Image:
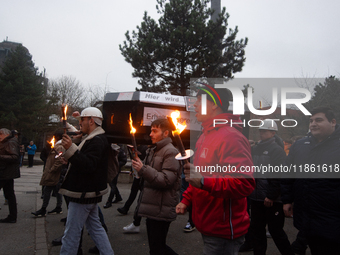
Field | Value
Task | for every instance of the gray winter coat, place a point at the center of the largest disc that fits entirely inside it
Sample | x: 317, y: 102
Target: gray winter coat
x: 162, y: 175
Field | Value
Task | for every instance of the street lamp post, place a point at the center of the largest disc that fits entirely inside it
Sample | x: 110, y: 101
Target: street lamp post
x: 216, y: 6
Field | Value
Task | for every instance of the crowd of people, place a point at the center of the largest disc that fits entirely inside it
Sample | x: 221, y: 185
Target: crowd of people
x: 230, y: 209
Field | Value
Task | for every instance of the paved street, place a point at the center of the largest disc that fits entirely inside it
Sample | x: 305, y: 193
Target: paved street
x: 31, y: 235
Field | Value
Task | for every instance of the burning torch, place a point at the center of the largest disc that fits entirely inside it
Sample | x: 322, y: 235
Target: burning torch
x: 52, y: 142
x: 177, y: 130
x: 133, y: 139
x: 64, y: 113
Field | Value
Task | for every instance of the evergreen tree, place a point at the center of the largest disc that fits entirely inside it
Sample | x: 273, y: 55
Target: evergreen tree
x: 184, y: 44
x: 326, y: 94
x: 22, y: 95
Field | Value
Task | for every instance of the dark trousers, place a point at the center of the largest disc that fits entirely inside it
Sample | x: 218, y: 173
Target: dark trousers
x: 30, y: 160
x: 248, y: 236
x: 157, y: 232
x: 8, y: 187
x: 300, y: 243
x: 184, y: 186
x: 135, y: 187
x: 137, y: 219
x: 321, y: 246
x: 47, y: 195
x: 189, y: 210
x: 114, y: 189
x: 21, y: 159
x: 274, y: 217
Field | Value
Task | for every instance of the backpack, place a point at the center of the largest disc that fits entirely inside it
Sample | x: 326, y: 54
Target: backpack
x: 113, y: 163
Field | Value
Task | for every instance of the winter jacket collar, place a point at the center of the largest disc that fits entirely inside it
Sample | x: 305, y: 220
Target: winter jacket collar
x: 159, y: 145
x: 334, y: 135
x: 262, y: 144
x: 156, y: 147
x: 7, y: 138
x: 70, y: 151
x: 97, y: 131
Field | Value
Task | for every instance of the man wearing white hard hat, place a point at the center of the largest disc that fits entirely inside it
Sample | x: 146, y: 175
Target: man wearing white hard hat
x: 266, y: 205
x: 85, y: 183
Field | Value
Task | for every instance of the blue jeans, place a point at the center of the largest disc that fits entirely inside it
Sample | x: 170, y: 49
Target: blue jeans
x: 221, y: 246
x: 77, y: 216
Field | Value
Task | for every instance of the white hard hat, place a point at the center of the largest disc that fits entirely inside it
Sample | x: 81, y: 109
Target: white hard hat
x: 93, y: 112
x: 269, y: 124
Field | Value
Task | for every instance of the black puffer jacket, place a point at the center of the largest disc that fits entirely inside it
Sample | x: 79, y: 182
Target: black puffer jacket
x: 86, y: 178
x: 267, y: 153
x: 316, y: 201
x: 9, y: 158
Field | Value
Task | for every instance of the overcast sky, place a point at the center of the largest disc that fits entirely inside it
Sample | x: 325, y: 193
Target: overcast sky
x: 287, y: 38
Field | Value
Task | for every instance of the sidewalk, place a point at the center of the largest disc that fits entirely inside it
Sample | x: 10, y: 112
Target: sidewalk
x: 20, y: 238
x: 32, y: 235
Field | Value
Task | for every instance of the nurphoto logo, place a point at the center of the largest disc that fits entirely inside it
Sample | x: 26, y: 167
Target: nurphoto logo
x: 239, y: 102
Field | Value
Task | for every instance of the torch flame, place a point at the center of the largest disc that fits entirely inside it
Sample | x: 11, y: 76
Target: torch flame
x: 179, y: 127
x: 65, y: 113
x: 52, y: 142
x: 133, y: 130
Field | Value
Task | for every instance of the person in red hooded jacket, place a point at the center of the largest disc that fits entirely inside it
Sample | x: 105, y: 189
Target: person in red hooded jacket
x: 219, y: 200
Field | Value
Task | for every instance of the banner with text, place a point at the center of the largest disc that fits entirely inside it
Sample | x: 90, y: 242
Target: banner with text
x: 151, y: 114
